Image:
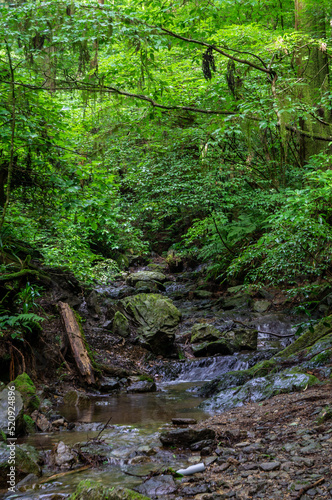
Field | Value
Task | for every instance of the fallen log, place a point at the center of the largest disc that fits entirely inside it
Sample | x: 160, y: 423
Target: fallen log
x: 76, y: 343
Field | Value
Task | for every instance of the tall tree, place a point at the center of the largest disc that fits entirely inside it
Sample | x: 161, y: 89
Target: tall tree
x: 313, y: 75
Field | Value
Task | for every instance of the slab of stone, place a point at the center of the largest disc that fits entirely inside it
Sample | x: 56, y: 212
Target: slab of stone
x: 269, y: 466
x: 145, y: 276
x: 142, y: 386
x: 158, y: 486
x: 186, y: 437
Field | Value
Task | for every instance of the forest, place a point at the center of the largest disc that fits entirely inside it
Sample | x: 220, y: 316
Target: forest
x: 147, y: 143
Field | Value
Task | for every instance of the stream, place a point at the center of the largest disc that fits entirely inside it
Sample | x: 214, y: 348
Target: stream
x: 132, y: 436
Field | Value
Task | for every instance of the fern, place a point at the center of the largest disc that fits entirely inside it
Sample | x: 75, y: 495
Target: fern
x: 26, y: 320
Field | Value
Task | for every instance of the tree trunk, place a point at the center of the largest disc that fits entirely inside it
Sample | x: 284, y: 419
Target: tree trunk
x: 313, y: 75
x: 76, y: 342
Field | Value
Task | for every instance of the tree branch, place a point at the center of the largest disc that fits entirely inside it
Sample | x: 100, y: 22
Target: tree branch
x: 114, y: 90
x: 217, y: 49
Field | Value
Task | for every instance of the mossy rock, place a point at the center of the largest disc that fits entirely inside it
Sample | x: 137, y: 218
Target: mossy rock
x: 120, y: 325
x: 309, y: 338
x: 27, y: 389
x: 202, y: 332
x: 145, y: 276
x: 155, y: 318
x: 88, y: 490
x: 325, y: 415
x: 24, y: 464
x: 221, y: 342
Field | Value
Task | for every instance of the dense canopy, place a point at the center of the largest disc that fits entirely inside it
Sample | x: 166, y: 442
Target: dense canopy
x: 200, y: 126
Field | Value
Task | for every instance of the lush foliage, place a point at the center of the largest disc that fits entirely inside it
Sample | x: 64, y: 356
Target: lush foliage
x: 131, y: 126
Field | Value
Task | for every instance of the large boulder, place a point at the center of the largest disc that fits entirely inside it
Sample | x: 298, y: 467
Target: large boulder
x: 155, y: 318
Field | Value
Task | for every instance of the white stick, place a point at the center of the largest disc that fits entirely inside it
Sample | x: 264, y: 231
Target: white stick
x: 192, y: 469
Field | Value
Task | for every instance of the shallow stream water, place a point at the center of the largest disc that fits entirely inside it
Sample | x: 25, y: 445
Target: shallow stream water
x: 137, y: 420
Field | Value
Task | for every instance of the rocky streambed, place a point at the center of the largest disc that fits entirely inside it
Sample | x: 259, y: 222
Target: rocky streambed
x: 169, y: 346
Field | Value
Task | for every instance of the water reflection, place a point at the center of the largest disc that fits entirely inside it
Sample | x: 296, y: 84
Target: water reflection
x: 143, y: 409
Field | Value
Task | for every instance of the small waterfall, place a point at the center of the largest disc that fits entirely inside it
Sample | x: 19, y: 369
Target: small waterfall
x: 206, y: 369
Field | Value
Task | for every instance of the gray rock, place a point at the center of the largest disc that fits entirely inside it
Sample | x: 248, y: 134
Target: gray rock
x: 148, y: 286
x: 269, y: 466
x: 221, y: 346
x: 195, y: 489
x: 41, y: 421
x: 108, y: 384
x: 202, y: 332
x: 95, y: 448
x: 186, y: 437
x: 120, y: 325
x: 142, y: 386
x: 63, y: 455
x: 249, y: 466
x: 240, y: 301
x: 261, y: 306
x: 200, y: 445
x: 19, y: 410
x: 203, y: 294
x: 259, y: 389
x: 158, y: 486
x: 242, y: 339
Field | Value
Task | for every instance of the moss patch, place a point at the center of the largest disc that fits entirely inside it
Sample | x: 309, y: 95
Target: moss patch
x: 88, y: 490
x: 29, y: 424
x: 309, y: 338
x: 27, y: 389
